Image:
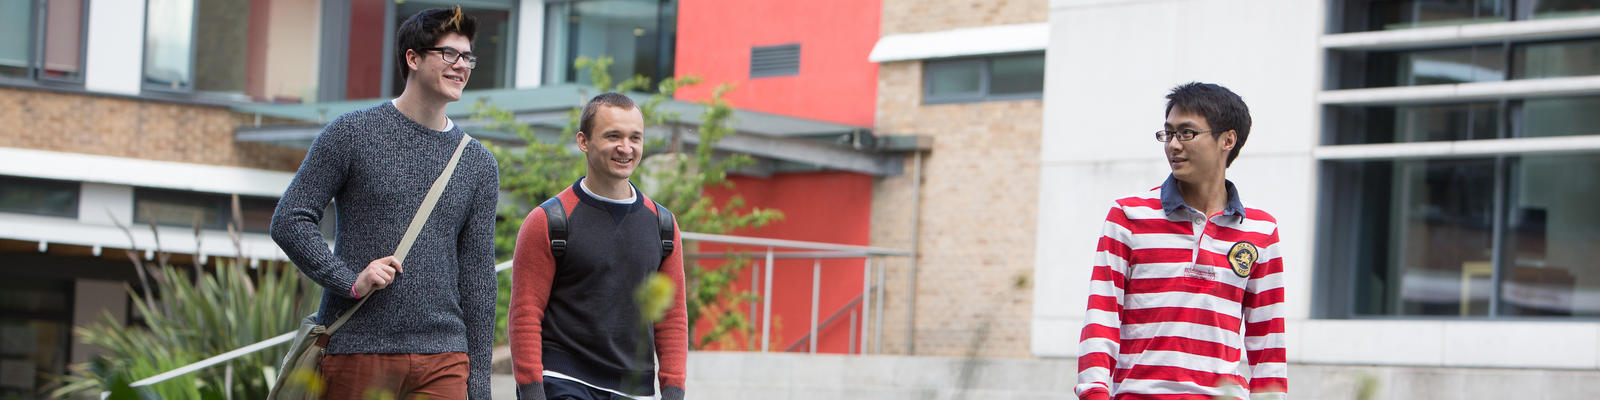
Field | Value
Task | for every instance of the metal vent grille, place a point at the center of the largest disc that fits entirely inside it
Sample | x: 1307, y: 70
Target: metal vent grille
x: 780, y: 60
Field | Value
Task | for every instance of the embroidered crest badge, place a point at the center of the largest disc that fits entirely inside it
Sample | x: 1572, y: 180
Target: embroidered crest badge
x: 1243, y: 257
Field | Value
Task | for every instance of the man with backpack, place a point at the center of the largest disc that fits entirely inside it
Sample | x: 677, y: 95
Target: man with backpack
x: 576, y: 330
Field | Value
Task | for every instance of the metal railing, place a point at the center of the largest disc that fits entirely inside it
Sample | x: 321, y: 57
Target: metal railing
x: 816, y: 251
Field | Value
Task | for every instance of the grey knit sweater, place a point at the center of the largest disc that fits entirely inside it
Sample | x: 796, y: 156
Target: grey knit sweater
x: 376, y: 165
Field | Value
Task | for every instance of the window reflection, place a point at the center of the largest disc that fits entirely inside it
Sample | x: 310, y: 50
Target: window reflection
x: 1553, y: 236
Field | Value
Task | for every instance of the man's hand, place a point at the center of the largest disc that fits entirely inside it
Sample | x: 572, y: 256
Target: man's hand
x: 378, y: 275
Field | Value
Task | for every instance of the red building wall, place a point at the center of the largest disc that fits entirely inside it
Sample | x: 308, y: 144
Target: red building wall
x: 829, y: 207
x: 836, y: 82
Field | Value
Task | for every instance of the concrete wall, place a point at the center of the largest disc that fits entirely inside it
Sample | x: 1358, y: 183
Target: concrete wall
x: 720, y: 375
x: 1104, y: 99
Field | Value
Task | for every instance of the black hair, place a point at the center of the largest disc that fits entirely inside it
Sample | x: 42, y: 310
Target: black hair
x: 1222, y: 109
x: 424, y: 29
x: 612, y: 99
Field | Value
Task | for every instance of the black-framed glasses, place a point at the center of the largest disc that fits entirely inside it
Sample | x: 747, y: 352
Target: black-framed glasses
x: 1183, y: 135
x: 451, y: 55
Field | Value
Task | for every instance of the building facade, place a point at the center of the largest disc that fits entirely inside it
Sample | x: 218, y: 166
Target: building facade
x: 155, y: 112
x: 969, y: 75
x: 1426, y: 162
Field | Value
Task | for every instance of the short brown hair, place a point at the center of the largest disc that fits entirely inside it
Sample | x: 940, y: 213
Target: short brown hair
x: 612, y: 99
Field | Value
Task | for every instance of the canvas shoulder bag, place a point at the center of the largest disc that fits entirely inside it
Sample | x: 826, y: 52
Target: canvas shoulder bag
x: 299, y: 367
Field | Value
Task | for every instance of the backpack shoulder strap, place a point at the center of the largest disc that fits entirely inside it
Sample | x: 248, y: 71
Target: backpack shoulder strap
x: 555, y: 217
x: 664, y: 222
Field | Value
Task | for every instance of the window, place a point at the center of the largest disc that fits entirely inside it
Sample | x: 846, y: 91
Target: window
x: 1497, y: 235
x: 780, y: 60
x: 1012, y: 77
x: 206, y: 210
x: 35, y: 334
x: 42, y: 39
x: 38, y: 196
x: 1379, y: 15
x: 1481, y: 63
x: 492, y: 44
x: 253, y: 50
x: 1429, y: 237
x: 637, y: 34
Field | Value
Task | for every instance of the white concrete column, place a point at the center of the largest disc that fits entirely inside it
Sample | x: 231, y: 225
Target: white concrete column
x: 115, y: 46
x: 103, y: 204
x: 530, y: 43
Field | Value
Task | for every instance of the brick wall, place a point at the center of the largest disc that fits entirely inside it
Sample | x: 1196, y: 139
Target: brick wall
x: 913, y: 16
x: 979, y: 202
x: 131, y: 128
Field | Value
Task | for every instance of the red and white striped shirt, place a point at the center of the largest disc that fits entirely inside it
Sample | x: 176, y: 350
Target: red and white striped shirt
x: 1170, y: 292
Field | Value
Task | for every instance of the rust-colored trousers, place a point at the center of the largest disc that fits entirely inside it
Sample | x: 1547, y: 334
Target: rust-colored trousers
x: 440, y: 376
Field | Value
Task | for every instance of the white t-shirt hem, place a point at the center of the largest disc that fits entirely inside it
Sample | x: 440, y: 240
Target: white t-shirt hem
x: 558, y: 375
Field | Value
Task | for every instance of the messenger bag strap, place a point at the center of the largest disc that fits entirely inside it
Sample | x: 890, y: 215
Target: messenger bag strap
x: 417, y: 220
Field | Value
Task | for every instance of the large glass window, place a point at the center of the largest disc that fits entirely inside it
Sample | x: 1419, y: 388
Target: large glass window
x: 1484, y: 63
x: 637, y: 34
x: 1538, y: 9
x: 42, y: 39
x: 1556, y: 59
x: 1535, y: 117
x: 253, y: 50
x: 1009, y: 77
x: 1551, y: 265
x: 206, y: 210
x: 38, y: 196
x: 35, y: 335
x: 1416, y: 123
x: 16, y: 32
x: 1378, y: 15
x: 1425, y: 237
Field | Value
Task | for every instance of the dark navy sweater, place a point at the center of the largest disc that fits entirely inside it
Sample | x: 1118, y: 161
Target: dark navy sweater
x: 578, y: 316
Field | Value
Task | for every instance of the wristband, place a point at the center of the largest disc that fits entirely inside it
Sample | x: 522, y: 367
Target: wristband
x: 353, y: 293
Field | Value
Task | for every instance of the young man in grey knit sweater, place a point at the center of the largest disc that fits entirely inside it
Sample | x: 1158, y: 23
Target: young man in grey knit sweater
x: 428, y: 327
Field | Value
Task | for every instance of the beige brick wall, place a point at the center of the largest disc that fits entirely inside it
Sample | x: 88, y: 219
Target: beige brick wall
x: 913, y: 16
x: 979, y: 202
x: 132, y: 128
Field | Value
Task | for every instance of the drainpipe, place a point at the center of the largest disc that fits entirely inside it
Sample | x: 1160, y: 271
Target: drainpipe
x: 916, y: 224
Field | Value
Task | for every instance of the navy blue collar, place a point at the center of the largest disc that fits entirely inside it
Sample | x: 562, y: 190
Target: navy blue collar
x: 617, y: 211
x: 1172, y: 198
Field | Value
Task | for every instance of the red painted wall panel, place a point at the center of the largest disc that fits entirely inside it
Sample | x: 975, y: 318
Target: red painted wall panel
x: 365, y: 73
x: 833, y: 207
x: 836, y: 83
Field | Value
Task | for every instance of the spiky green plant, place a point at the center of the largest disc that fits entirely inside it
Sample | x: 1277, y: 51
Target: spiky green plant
x: 188, y: 318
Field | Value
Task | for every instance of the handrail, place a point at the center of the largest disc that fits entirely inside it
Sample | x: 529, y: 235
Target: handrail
x: 823, y: 250
x: 239, y: 352
x: 214, y: 360
x: 826, y: 323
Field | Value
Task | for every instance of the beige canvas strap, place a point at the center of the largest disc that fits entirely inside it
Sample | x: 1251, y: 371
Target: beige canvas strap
x: 417, y: 220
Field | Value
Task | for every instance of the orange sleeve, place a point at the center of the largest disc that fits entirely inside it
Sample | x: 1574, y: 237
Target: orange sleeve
x: 672, y: 333
x: 533, y: 269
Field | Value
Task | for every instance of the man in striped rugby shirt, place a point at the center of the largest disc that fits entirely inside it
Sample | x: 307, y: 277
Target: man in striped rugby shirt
x: 1187, y: 279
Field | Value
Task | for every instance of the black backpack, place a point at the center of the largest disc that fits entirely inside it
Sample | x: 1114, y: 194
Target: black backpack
x: 555, y: 215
